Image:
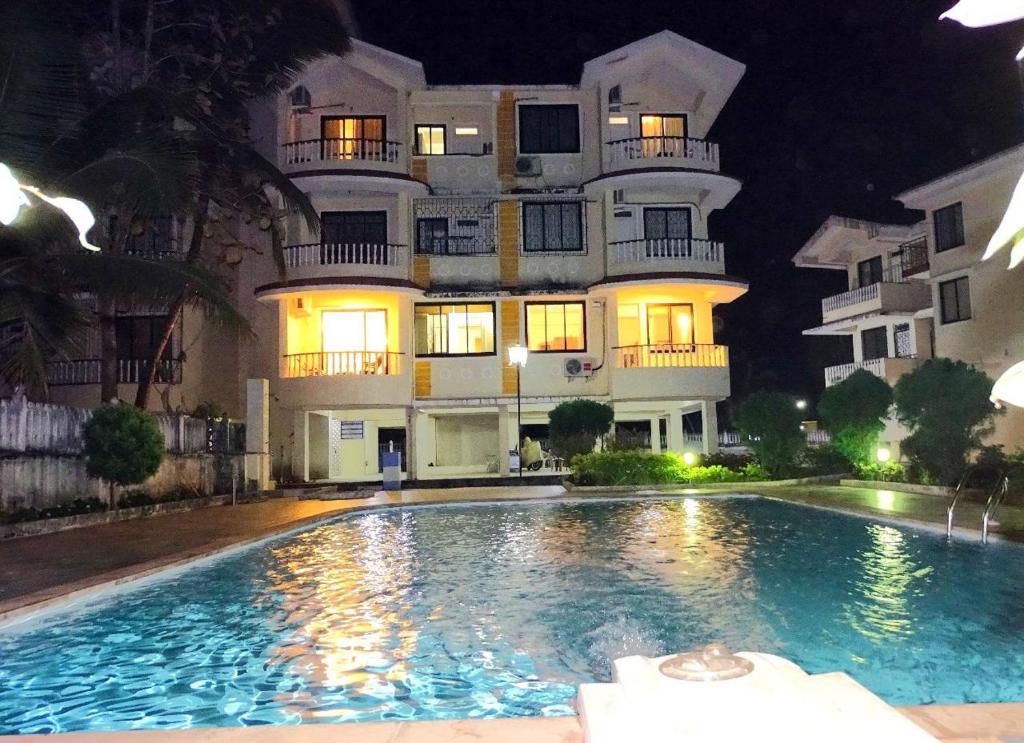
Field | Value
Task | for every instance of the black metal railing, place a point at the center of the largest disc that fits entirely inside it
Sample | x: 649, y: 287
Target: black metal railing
x: 456, y: 245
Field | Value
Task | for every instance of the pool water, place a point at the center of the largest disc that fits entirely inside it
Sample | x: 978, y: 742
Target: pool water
x: 501, y: 610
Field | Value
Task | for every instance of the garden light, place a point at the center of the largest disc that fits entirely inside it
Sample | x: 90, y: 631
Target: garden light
x: 883, y: 455
x: 801, y: 404
x: 689, y: 458
x: 13, y: 197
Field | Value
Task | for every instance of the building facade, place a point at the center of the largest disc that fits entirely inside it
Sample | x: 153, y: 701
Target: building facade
x: 922, y: 290
x: 458, y: 221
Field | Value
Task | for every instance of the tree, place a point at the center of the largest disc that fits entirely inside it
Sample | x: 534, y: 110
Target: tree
x: 946, y: 406
x: 770, y: 423
x: 123, y: 445
x: 576, y: 425
x: 854, y: 412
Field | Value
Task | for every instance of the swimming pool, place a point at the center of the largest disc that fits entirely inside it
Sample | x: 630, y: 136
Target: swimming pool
x: 502, y: 609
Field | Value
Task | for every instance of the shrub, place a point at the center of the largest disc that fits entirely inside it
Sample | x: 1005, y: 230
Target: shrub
x: 74, y: 508
x: 887, y: 472
x: 637, y: 467
x: 854, y: 412
x: 824, y: 460
x: 576, y: 425
x: 732, y: 461
x: 946, y: 406
x: 136, y: 498
x: 122, y: 445
x: 770, y: 422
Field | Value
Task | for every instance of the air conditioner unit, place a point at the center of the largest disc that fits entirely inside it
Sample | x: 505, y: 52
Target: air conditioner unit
x: 303, y: 306
x: 527, y: 165
x: 579, y: 367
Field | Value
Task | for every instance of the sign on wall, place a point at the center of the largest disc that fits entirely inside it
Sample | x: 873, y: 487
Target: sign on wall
x: 351, y: 429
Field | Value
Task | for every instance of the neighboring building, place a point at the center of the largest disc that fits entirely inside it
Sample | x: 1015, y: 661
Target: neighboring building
x: 458, y: 221
x: 922, y: 290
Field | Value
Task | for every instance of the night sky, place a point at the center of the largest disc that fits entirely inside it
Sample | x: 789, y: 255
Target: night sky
x: 844, y: 104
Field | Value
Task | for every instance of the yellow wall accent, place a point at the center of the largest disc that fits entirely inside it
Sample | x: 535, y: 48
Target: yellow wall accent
x: 423, y: 379
x: 505, y: 142
x: 509, y: 337
x: 421, y: 270
x: 508, y: 243
x: 419, y: 169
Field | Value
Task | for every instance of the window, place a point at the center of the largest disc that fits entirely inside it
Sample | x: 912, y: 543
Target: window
x: 669, y: 324
x: 430, y: 139
x: 661, y: 223
x: 553, y: 227
x: 555, y: 326
x: 549, y: 129
x: 352, y: 137
x: 901, y: 341
x: 869, y: 272
x: 355, y: 341
x: 138, y: 336
x: 432, y: 235
x: 955, y: 300
x: 949, y: 227
x: 354, y: 228
x: 454, y: 329
x: 874, y: 344
x: 663, y: 125
x: 467, y: 131
x: 157, y: 239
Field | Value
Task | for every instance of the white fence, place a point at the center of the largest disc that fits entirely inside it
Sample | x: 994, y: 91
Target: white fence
x: 41, y: 428
x: 733, y: 439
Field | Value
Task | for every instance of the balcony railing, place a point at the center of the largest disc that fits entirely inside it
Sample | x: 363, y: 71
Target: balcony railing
x: 342, y: 363
x: 457, y: 245
x: 836, y: 374
x: 657, y: 249
x: 913, y: 256
x: 330, y: 254
x: 854, y: 296
x: 340, y: 150
x: 129, y: 371
x: 672, y: 355
x: 671, y: 151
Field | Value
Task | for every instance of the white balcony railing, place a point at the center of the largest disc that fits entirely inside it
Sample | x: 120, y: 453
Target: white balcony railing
x: 672, y: 355
x: 680, y: 152
x: 668, y: 249
x: 342, y: 150
x: 329, y: 254
x: 129, y: 371
x: 335, y: 363
x: 836, y: 374
x: 852, y: 297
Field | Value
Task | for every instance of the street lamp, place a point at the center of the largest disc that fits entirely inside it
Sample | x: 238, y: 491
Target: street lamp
x: 801, y: 404
x: 517, y: 356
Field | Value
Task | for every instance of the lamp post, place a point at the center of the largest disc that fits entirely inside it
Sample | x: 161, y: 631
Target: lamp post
x: 517, y: 356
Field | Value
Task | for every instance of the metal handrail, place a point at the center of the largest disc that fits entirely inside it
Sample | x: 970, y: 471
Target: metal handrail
x: 964, y: 478
x: 994, y: 499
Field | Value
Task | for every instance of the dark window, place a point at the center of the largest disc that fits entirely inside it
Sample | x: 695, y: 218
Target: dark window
x: 873, y: 344
x: 354, y: 228
x: 661, y: 223
x: 553, y: 227
x: 454, y: 329
x: 138, y: 336
x: 549, y: 128
x: 869, y: 272
x: 432, y: 235
x: 955, y: 300
x: 949, y: 227
x: 430, y: 139
x: 901, y: 340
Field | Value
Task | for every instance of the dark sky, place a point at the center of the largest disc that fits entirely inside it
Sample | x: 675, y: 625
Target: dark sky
x: 844, y: 104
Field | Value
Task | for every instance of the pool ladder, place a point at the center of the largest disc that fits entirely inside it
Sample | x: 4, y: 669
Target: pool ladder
x: 995, y: 497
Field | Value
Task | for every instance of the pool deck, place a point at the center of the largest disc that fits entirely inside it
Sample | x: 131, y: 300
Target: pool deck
x: 41, y: 571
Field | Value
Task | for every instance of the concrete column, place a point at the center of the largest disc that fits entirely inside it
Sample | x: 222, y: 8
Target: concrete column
x: 300, y: 445
x: 257, y: 432
x: 709, y: 419
x: 675, y: 431
x: 423, y: 441
x: 506, y: 437
x: 655, y: 435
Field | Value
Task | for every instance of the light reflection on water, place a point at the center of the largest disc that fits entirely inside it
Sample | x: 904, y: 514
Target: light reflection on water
x: 501, y: 610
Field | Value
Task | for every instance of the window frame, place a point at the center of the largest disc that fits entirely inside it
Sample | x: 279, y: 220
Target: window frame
x: 944, y: 318
x: 870, y: 262
x: 665, y: 210
x: 481, y: 354
x: 444, y: 139
x: 362, y: 117
x: 670, y: 305
x: 526, y: 323
x: 956, y: 208
x: 540, y: 150
x: 344, y: 214
x: 526, y: 250
x: 364, y: 311
x: 419, y: 243
x: 681, y: 115
x: 879, y: 332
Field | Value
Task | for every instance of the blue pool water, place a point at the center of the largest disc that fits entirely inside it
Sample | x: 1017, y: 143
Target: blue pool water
x: 501, y: 610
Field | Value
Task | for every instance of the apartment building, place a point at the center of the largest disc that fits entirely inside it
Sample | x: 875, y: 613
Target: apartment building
x: 458, y: 221
x: 922, y: 290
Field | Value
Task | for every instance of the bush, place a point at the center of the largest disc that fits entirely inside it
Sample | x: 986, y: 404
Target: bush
x: 122, y: 445
x: 732, y: 461
x: 136, y: 498
x: 946, y: 406
x: 854, y: 412
x: 823, y: 460
x: 638, y: 467
x: 887, y: 472
x: 770, y: 423
x: 74, y: 508
x: 576, y: 425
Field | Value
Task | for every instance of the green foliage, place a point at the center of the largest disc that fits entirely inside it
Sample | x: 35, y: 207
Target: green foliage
x: 576, y: 425
x: 823, y: 460
x: 882, y: 472
x: 770, y: 424
x: 728, y: 459
x: 854, y: 412
x: 639, y: 467
x: 946, y: 406
x: 122, y: 444
x: 73, y: 508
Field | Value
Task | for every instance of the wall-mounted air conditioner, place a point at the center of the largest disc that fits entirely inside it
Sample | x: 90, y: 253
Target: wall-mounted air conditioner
x: 528, y: 165
x: 578, y: 367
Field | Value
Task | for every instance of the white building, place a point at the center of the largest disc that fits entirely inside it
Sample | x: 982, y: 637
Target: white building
x: 458, y: 221
x: 922, y: 290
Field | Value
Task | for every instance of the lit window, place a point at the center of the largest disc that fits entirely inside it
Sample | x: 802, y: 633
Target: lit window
x: 618, y: 120
x: 430, y: 139
x: 454, y: 329
x: 354, y: 341
x: 555, y: 326
x: 669, y: 324
x: 352, y: 137
x: 629, y: 325
x: 467, y: 131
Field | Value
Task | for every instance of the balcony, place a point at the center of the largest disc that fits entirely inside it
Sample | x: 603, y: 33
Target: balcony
x: 689, y: 254
x: 345, y: 259
x: 662, y: 152
x: 883, y: 297
x: 357, y: 154
x: 913, y: 256
x: 685, y: 370
x: 890, y: 369
x: 341, y: 363
x: 129, y: 371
